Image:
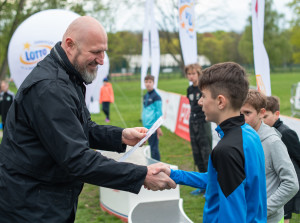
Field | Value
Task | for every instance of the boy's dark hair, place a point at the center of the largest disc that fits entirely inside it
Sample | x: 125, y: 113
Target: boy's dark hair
x: 273, y: 104
x: 256, y: 99
x: 194, y: 66
x: 228, y: 79
x: 149, y: 77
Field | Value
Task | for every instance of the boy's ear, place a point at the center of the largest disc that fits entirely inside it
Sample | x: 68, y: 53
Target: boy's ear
x: 262, y: 112
x: 277, y: 113
x: 222, y: 102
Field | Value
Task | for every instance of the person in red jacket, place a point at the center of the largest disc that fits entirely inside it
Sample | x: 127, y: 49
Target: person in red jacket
x: 106, y: 97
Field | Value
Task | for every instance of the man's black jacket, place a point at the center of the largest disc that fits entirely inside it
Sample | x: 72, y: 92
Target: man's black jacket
x: 45, y: 153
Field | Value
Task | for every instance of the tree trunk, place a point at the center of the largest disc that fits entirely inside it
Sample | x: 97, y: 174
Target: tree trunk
x: 16, y: 22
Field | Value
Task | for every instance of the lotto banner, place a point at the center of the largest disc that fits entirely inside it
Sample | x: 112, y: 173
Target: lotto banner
x: 261, y: 59
x: 34, y: 39
x: 182, y: 124
x: 187, y: 33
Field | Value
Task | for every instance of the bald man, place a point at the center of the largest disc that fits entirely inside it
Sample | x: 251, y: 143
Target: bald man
x: 45, y: 155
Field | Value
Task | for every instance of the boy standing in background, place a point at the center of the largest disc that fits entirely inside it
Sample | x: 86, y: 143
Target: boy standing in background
x: 291, y: 141
x: 152, y: 110
x: 282, y: 183
x: 200, y: 130
x: 106, y: 97
x: 6, y: 99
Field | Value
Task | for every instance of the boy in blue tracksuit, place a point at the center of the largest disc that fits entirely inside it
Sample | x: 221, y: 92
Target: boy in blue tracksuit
x: 235, y: 181
x: 152, y: 110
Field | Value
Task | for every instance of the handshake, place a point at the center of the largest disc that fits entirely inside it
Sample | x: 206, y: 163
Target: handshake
x: 158, y: 177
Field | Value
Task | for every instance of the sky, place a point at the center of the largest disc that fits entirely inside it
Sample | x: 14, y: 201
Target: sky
x: 211, y: 15
x: 241, y: 11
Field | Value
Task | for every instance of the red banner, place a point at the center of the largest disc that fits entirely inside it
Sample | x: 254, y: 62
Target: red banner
x: 182, y: 124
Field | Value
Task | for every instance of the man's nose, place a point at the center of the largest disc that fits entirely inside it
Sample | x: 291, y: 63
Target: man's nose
x: 100, y: 58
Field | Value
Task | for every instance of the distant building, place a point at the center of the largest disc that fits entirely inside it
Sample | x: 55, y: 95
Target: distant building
x: 166, y: 61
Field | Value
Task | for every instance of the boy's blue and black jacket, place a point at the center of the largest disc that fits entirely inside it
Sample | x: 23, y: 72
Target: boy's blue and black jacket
x: 152, y: 108
x: 235, y: 182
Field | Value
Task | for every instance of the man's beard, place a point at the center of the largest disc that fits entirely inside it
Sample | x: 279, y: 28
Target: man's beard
x: 87, y: 76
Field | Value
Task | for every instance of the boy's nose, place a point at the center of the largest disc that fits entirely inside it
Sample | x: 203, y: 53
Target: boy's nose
x: 200, y: 102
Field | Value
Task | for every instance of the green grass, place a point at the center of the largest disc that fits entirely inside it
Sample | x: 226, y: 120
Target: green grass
x: 174, y: 150
x: 281, y: 86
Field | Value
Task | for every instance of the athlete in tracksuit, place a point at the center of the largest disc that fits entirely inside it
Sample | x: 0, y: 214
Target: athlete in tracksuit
x: 235, y: 182
x: 152, y: 110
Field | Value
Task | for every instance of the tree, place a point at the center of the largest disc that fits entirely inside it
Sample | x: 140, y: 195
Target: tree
x: 295, y: 30
x: 276, y: 41
x: 123, y: 43
x: 210, y: 46
x: 13, y: 13
x: 169, y: 27
x: 7, y: 29
x: 219, y: 46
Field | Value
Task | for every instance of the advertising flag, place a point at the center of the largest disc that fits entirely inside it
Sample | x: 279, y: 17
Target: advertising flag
x: 150, y: 45
x: 261, y: 59
x: 145, y: 45
x: 187, y: 33
x: 32, y: 42
x: 155, y: 49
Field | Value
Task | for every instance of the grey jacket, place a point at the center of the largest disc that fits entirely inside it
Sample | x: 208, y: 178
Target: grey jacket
x: 282, y: 181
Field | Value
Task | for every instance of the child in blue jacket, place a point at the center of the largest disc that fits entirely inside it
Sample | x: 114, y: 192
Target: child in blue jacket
x: 152, y: 110
x: 235, y: 182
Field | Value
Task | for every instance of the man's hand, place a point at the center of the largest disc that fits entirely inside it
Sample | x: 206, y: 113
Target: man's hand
x: 131, y: 136
x: 160, y: 167
x: 157, y: 177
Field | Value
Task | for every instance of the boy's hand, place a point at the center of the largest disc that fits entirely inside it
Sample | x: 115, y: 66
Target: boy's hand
x: 159, y: 133
x: 157, y: 179
x: 161, y: 167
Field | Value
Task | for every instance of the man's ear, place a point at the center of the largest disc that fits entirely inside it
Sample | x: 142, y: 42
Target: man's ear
x: 69, y: 45
x: 222, y: 102
x: 69, y: 42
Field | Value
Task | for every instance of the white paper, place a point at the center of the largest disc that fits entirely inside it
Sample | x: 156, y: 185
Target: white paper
x: 154, y: 127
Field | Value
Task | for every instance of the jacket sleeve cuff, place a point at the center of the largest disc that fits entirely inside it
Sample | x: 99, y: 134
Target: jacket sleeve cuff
x: 141, y: 172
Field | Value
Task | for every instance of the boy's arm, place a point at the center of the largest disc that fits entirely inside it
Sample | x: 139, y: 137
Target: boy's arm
x: 189, y: 178
x: 291, y: 140
x: 100, y: 96
x: 285, y: 171
x: 158, y: 109
x: 112, y: 97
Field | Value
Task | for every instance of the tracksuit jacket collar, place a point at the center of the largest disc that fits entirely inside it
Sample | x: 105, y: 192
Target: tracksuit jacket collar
x: 230, y: 123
